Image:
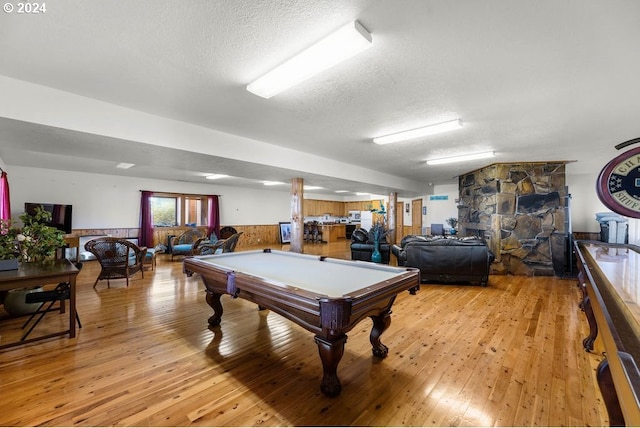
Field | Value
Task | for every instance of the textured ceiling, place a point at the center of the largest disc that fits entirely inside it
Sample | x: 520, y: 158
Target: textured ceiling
x: 532, y: 81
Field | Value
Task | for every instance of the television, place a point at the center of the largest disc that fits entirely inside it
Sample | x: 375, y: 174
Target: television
x: 60, y: 214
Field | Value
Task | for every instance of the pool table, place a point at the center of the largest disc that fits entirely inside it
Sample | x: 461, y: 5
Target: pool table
x: 326, y: 296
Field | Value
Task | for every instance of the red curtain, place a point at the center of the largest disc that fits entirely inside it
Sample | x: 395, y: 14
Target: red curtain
x: 213, y: 217
x: 146, y: 220
x: 5, y: 204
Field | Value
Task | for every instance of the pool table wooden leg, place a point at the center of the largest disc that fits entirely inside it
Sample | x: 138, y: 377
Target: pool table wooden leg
x: 380, y: 324
x: 213, y: 299
x: 331, y: 352
x: 609, y: 396
x: 593, y: 326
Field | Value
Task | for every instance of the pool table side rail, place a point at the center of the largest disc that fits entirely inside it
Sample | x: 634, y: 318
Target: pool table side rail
x: 381, y: 296
x: 208, y: 264
x: 302, y: 306
x: 623, y: 369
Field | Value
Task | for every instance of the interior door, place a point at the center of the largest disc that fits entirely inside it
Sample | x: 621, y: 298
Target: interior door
x: 416, y: 217
x: 399, y: 222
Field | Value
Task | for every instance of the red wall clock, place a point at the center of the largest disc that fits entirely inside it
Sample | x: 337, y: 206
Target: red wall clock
x: 618, y: 185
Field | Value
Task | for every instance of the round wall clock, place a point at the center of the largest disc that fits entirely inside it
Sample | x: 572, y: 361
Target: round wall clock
x: 618, y: 185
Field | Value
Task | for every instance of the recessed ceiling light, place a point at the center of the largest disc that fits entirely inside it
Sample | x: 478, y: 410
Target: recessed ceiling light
x: 215, y: 176
x: 342, y: 191
x: 362, y: 193
x: 272, y: 183
x: 124, y: 165
x: 339, y: 46
x: 312, y: 187
x: 461, y: 158
x: 419, y: 132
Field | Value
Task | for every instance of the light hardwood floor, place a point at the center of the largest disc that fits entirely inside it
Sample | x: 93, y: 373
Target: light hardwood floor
x: 509, y: 354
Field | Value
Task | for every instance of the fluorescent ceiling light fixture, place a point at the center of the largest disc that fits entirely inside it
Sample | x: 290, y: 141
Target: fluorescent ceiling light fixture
x: 346, y: 42
x: 362, y: 193
x: 272, y: 183
x: 461, y: 158
x: 215, y: 176
x: 342, y: 191
x: 312, y: 187
x: 419, y: 132
x: 124, y: 165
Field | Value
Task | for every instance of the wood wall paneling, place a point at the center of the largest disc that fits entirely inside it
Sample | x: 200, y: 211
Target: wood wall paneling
x: 260, y: 235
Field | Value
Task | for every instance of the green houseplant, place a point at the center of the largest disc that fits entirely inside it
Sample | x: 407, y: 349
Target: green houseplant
x: 35, y: 241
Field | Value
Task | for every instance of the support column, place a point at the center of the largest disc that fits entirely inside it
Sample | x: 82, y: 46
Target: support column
x: 391, y: 220
x: 297, y: 216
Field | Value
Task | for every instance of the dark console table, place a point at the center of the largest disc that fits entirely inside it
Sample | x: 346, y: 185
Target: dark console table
x: 32, y: 274
x: 609, y: 276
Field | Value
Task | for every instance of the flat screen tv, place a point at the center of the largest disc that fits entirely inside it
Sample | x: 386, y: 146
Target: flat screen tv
x: 60, y: 214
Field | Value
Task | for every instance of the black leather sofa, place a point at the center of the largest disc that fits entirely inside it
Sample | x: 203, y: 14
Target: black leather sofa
x: 446, y: 259
x: 362, y: 247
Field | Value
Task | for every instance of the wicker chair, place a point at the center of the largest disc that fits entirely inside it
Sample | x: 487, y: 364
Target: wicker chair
x: 231, y: 242
x: 118, y: 258
x: 220, y: 246
x: 186, y: 244
x: 227, y: 231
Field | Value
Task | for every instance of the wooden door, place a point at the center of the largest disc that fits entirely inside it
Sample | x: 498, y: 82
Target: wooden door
x: 416, y: 217
x: 399, y: 222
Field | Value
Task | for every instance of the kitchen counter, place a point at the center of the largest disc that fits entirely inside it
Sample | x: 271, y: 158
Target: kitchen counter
x: 333, y: 232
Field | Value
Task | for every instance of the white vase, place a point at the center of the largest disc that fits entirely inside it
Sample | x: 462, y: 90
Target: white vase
x: 14, y: 302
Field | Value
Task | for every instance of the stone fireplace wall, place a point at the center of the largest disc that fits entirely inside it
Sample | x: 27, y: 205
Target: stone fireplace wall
x: 519, y: 209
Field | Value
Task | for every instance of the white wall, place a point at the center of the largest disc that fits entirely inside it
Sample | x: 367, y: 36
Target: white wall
x: 108, y: 201
x: 438, y: 211
x: 584, y: 202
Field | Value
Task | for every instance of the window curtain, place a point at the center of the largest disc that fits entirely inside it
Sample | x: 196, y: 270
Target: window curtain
x: 5, y: 205
x: 213, y: 216
x: 146, y: 220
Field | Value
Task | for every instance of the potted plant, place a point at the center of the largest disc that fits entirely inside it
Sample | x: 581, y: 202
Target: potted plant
x: 8, y: 246
x: 377, y: 235
x: 35, y: 241
x: 452, y: 222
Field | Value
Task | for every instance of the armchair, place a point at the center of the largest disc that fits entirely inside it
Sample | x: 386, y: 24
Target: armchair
x: 227, y: 231
x: 362, y: 245
x: 118, y: 258
x: 186, y: 244
x: 220, y: 246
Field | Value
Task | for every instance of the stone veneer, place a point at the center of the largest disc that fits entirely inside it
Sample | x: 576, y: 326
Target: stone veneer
x: 519, y: 208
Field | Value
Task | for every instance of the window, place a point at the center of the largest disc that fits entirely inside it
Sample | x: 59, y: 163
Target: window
x: 173, y: 209
x: 194, y: 214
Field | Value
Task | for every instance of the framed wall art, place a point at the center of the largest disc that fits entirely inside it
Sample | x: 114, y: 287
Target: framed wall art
x: 285, y: 232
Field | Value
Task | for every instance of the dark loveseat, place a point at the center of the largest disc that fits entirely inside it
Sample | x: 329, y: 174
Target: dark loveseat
x: 446, y: 259
x: 362, y: 247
